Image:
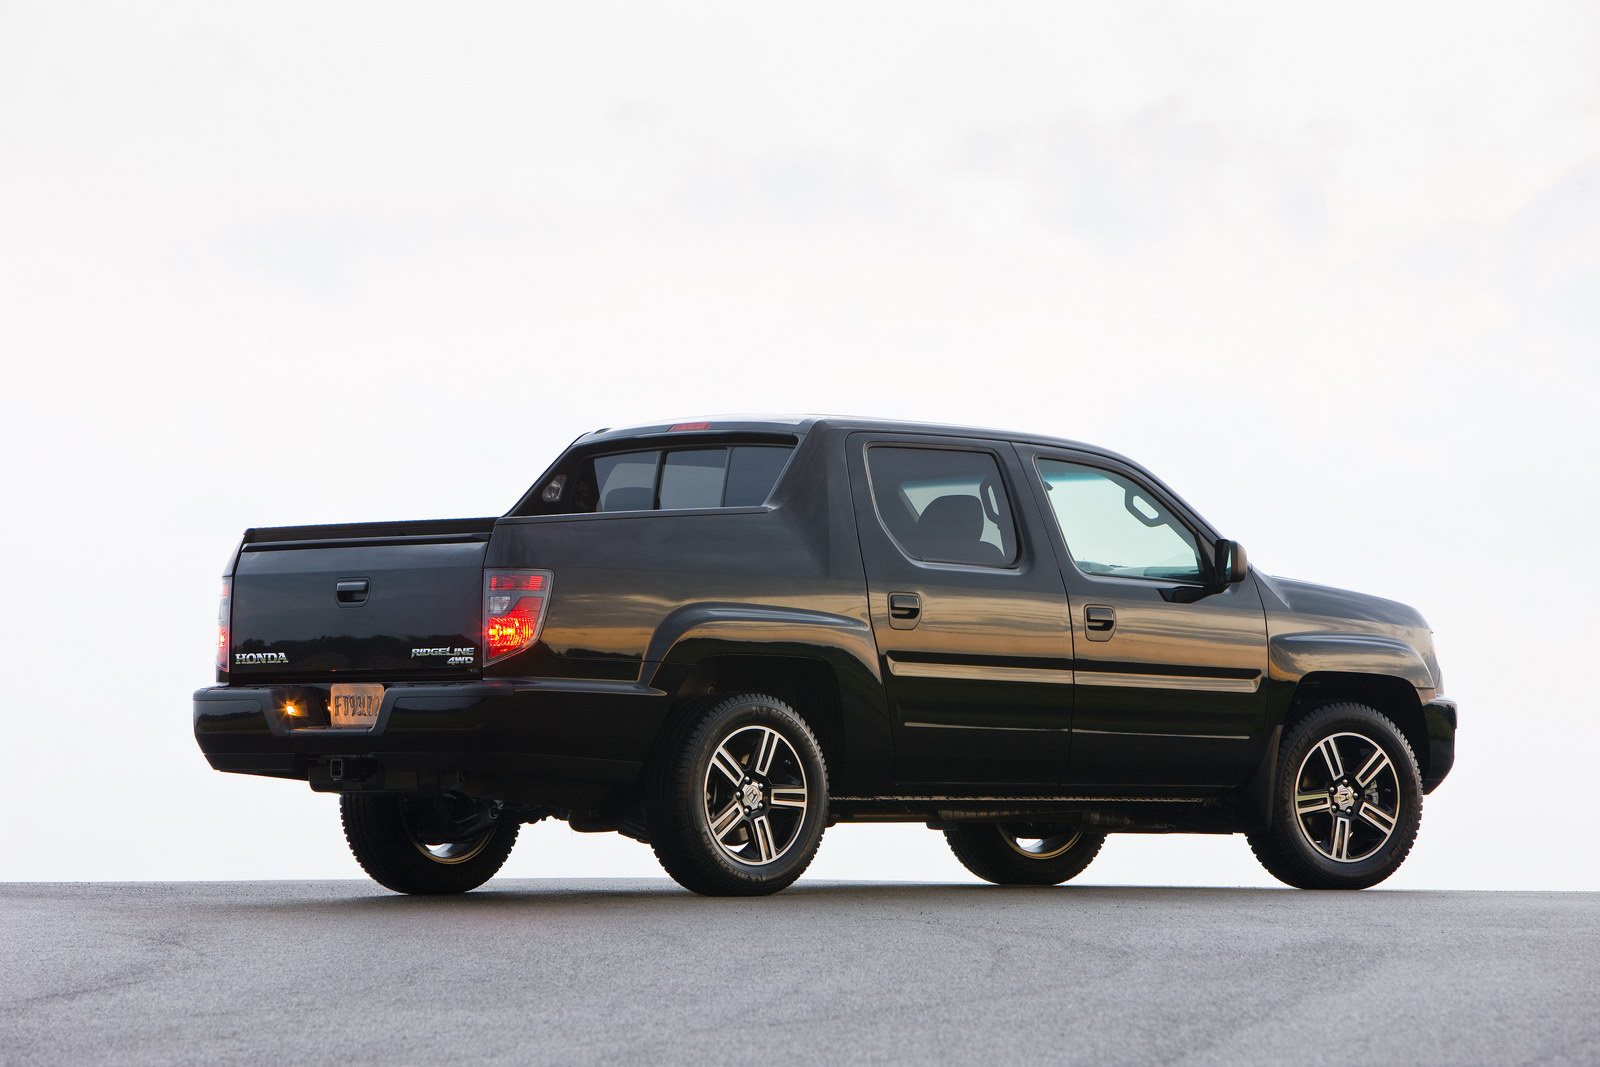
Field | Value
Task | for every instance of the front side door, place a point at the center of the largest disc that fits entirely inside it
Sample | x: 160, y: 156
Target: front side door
x: 1169, y: 664
x: 969, y: 613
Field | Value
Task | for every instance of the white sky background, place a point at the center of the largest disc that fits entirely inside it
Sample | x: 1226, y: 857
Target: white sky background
x: 1331, y: 271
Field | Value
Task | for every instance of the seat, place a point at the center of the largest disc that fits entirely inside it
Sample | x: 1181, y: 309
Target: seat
x: 629, y: 498
x: 950, y: 530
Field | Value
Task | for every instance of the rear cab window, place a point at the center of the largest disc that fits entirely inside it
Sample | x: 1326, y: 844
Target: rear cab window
x: 680, y: 477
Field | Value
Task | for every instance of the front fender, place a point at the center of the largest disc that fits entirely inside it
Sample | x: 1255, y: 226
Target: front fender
x: 1293, y: 656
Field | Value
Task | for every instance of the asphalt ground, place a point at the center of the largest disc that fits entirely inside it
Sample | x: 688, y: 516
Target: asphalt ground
x: 579, y: 972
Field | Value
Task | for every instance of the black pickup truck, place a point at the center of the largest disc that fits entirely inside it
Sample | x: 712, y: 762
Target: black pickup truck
x: 721, y: 637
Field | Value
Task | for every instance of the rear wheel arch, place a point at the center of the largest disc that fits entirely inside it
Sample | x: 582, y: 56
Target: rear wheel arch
x: 809, y: 686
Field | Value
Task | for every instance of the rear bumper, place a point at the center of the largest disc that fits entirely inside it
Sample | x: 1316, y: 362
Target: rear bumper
x: 530, y: 741
x: 1439, y: 717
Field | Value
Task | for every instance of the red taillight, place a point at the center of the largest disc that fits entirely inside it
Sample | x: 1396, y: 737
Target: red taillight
x: 222, y: 624
x: 513, y: 611
x: 510, y: 633
x: 683, y: 426
x: 525, y: 582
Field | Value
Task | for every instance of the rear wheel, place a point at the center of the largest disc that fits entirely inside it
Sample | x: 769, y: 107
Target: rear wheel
x: 427, y: 845
x: 1024, y: 853
x: 738, y: 797
x: 1346, y: 804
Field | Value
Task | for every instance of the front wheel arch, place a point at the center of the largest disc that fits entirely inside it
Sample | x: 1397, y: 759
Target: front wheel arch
x: 1395, y: 698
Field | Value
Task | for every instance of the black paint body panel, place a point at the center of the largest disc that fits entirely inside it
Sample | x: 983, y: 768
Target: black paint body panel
x: 996, y: 696
x: 417, y: 596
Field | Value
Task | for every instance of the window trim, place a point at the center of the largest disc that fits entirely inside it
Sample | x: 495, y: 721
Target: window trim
x: 1013, y: 564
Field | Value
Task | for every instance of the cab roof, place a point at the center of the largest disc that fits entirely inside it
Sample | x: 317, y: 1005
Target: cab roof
x: 801, y: 425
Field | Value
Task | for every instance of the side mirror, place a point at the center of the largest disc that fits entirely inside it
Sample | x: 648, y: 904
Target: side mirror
x: 1232, y: 563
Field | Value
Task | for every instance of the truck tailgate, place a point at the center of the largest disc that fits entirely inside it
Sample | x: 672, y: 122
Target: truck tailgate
x: 392, y: 600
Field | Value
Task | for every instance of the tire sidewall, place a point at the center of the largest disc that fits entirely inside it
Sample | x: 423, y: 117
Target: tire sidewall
x: 721, y: 722
x: 985, y: 849
x: 378, y: 829
x: 1375, y: 727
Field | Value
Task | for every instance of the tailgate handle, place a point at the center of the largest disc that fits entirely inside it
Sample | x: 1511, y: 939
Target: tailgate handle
x: 351, y: 590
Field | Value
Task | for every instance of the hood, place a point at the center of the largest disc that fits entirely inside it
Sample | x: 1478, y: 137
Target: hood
x: 1308, y: 598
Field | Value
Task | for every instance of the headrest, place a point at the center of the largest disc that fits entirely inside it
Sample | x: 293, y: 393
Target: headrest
x: 629, y: 498
x: 953, y: 518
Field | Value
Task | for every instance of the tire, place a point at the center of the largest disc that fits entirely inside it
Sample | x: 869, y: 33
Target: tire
x: 1347, y: 801
x: 738, y: 796
x: 1024, y: 853
x: 382, y: 835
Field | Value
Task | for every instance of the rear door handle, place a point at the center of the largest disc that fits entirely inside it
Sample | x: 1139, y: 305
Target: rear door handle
x: 904, y: 610
x: 1099, y: 621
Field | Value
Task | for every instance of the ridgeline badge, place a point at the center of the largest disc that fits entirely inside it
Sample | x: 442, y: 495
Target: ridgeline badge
x: 454, y: 657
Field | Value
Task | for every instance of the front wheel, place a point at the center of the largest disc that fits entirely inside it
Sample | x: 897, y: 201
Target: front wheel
x: 425, y: 846
x: 1024, y: 853
x: 738, y: 797
x: 1346, y: 803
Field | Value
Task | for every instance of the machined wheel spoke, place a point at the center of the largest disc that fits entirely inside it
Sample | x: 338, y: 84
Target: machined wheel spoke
x: 1330, y: 756
x: 1340, y: 843
x: 766, y: 751
x: 725, y: 823
x: 781, y: 796
x: 753, y: 819
x: 1379, y: 819
x: 730, y: 767
x: 1372, y: 768
x: 1349, y: 815
x: 765, y: 847
x: 1311, y: 803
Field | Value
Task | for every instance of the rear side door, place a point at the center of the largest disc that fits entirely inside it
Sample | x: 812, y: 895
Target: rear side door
x: 968, y: 609
x: 1169, y: 664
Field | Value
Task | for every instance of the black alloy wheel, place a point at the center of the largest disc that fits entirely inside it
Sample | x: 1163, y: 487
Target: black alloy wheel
x: 1024, y: 853
x: 738, y: 796
x: 386, y: 833
x: 1347, y: 801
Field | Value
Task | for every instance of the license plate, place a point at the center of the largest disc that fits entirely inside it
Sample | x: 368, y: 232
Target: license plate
x: 355, y: 705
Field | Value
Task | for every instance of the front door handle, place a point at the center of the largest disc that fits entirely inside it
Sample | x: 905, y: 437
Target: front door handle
x: 904, y: 610
x: 1099, y: 622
